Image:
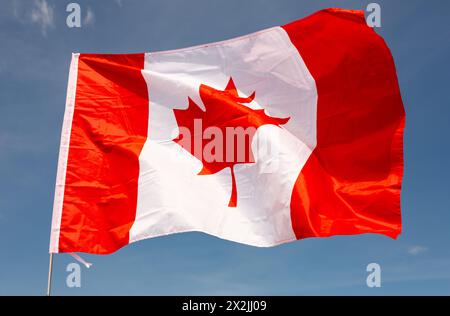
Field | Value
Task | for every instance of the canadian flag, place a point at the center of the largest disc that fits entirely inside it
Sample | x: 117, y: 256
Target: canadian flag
x: 291, y: 132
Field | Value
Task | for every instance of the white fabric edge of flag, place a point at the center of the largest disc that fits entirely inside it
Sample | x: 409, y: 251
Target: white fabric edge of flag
x: 216, y: 43
x: 63, y: 154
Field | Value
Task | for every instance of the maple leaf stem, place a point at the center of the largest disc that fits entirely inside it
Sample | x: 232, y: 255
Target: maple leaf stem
x: 233, y: 198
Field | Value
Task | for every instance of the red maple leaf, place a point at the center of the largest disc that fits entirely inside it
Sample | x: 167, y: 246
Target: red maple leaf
x: 224, y: 112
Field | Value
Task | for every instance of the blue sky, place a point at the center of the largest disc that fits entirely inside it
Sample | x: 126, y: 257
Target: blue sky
x: 35, y: 51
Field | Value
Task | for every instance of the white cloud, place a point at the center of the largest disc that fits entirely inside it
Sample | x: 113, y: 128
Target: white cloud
x: 18, y: 12
x: 15, y: 9
x: 42, y: 15
x: 89, y: 17
x: 415, y: 250
x: 119, y: 3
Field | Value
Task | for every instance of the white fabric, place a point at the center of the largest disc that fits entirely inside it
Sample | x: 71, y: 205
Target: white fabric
x: 172, y: 197
x: 80, y: 260
x: 63, y: 154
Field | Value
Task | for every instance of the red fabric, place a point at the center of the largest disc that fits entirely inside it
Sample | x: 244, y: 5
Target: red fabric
x: 109, y: 129
x: 351, y: 183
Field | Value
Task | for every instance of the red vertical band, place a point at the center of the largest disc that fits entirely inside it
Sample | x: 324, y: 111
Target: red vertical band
x: 109, y: 129
x: 351, y: 182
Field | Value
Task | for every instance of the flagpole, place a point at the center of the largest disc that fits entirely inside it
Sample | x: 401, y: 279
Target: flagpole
x: 49, y: 281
